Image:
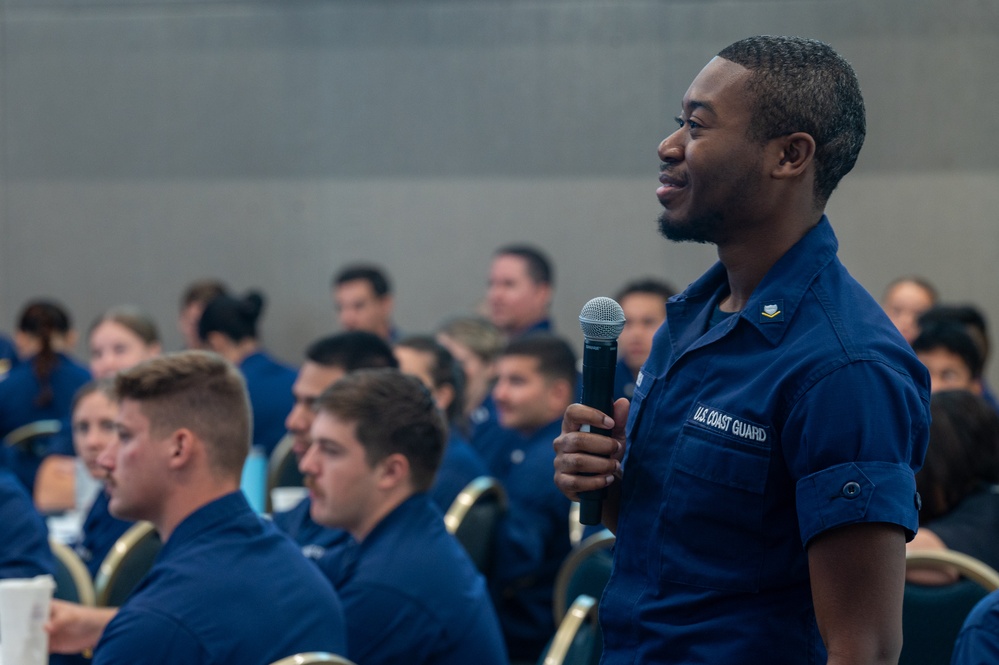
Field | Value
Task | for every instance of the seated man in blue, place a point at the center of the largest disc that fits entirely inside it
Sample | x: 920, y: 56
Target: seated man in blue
x: 431, y: 363
x: 978, y: 641
x: 410, y: 593
x: 24, y: 540
x: 644, y: 304
x: 211, y: 596
x: 326, y: 361
x: 536, y: 378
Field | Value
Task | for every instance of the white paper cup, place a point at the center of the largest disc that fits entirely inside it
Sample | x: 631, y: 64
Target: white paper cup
x: 286, y: 498
x: 24, y: 609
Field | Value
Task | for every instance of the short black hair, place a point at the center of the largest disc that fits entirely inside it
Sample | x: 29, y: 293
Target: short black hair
x: 953, y: 337
x: 539, y: 266
x: 967, y: 315
x: 236, y: 318
x: 803, y: 85
x: 650, y: 285
x: 556, y: 359
x: 351, y: 351
x: 368, y: 272
x: 444, y: 370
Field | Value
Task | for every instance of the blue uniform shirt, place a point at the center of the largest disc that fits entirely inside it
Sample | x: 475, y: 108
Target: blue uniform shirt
x: 101, y: 530
x: 24, y: 540
x: 978, y: 641
x: 314, y: 539
x: 533, y: 539
x: 411, y: 595
x: 624, y: 381
x: 227, y: 587
x: 8, y: 356
x: 804, y: 412
x: 460, y: 465
x: 268, y: 383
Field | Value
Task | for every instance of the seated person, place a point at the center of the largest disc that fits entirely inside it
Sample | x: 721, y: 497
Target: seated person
x: 904, y: 300
x: 212, y: 596
x: 959, y: 481
x: 94, y: 412
x: 8, y: 355
x: 228, y: 326
x: 951, y: 356
x: 192, y: 303
x: 410, y: 593
x: 24, y: 551
x: 974, y: 322
x: 536, y: 378
x: 362, y: 298
x: 474, y: 343
x: 326, y: 361
x: 431, y: 363
x: 978, y: 641
x: 41, y: 387
x: 644, y: 305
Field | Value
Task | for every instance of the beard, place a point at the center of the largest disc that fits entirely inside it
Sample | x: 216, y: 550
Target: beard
x: 705, y: 229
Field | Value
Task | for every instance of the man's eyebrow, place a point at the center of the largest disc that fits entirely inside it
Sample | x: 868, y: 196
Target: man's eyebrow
x: 694, y: 104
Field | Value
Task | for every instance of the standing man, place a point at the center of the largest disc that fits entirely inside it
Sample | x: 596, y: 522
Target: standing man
x: 410, y: 592
x: 765, y: 490
x: 212, y: 595
x: 521, y: 282
x: 362, y: 296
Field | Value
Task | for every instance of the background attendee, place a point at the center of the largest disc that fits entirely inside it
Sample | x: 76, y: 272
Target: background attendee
x: 431, y: 363
x: 8, y: 355
x: 951, y: 356
x: 41, y: 387
x: 644, y: 305
x: 978, y: 641
x: 904, y: 300
x: 326, y: 361
x: 192, y: 303
x: 475, y: 343
x: 212, y: 595
x: 959, y: 481
x: 228, y: 326
x: 535, y: 382
x: 121, y: 338
x: 24, y: 540
x: 521, y: 283
x: 362, y: 297
x: 974, y: 322
x: 409, y: 591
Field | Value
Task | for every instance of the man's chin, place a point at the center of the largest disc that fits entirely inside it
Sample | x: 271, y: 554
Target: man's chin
x: 682, y: 231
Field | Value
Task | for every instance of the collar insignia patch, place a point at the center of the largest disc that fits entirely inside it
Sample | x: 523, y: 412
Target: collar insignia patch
x: 772, y: 311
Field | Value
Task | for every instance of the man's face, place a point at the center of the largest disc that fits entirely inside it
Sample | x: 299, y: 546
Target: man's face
x: 711, y: 173
x: 516, y: 302
x: 358, y: 307
x: 312, y: 380
x: 525, y: 399
x: 644, y: 313
x: 135, y: 463
x: 948, y: 371
x: 342, y: 485
x: 187, y: 324
x: 904, y: 303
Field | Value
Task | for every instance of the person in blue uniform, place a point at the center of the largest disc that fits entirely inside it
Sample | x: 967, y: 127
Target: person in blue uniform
x: 326, y: 360
x: 24, y: 551
x: 363, y: 300
x: 474, y: 343
x: 410, y: 593
x: 535, y: 383
x: 228, y: 326
x: 765, y: 490
x: 94, y: 411
x: 521, y: 285
x: 432, y: 364
x: 40, y: 388
x: 644, y: 304
x: 8, y: 355
x: 211, y: 596
x: 978, y: 641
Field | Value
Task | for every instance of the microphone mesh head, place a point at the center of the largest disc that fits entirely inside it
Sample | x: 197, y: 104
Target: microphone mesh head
x: 601, y: 318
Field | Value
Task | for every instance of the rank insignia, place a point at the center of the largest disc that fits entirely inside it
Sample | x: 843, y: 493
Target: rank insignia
x: 772, y: 311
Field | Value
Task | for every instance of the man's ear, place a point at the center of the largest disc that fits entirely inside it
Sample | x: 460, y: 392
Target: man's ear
x: 394, y: 470
x: 181, y: 448
x: 796, y: 153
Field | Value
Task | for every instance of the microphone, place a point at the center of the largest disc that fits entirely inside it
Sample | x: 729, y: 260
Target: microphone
x: 601, y: 320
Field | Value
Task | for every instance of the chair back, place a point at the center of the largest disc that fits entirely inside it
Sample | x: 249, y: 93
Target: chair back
x: 126, y: 564
x: 282, y: 469
x: 473, y: 519
x: 314, y: 658
x: 33, y: 437
x: 584, y: 572
x: 72, y: 578
x: 578, y: 640
x: 932, y: 615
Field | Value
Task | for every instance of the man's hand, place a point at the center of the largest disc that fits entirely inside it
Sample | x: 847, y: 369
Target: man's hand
x: 74, y: 628
x: 585, y: 461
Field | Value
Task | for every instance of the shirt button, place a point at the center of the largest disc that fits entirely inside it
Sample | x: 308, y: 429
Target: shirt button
x: 517, y: 456
x: 851, y: 490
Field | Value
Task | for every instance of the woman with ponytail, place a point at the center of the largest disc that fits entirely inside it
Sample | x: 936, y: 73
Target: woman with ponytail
x: 228, y: 326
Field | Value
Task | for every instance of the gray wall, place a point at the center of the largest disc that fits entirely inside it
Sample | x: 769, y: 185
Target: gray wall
x: 147, y: 143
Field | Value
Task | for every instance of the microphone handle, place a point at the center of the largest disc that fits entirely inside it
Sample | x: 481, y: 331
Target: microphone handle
x: 599, y: 363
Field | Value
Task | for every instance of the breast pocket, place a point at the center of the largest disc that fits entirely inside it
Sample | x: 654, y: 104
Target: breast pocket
x: 712, y: 518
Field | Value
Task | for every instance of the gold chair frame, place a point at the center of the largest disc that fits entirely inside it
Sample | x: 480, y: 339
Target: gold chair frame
x: 583, y: 609
x: 313, y: 658
x: 475, y: 491
x: 77, y: 571
x: 110, y: 568
x: 601, y: 540
x: 966, y: 566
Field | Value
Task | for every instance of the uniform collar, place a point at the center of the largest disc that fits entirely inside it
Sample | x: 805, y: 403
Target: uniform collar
x: 773, y: 303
